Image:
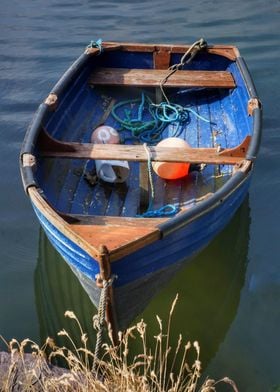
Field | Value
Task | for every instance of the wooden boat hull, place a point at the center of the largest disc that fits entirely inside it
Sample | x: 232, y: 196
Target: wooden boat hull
x: 81, y: 220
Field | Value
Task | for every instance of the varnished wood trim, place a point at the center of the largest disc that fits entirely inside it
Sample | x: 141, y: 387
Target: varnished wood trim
x: 161, y: 59
x: 59, y: 222
x: 238, y: 151
x: 154, y: 77
x: 228, y: 51
x: 121, y: 240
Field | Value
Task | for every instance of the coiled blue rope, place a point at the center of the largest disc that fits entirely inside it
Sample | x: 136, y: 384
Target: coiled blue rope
x: 167, y: 210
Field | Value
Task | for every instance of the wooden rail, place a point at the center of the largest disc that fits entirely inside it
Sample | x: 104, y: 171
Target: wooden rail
x: 50, y: 147
x: 153, y: 78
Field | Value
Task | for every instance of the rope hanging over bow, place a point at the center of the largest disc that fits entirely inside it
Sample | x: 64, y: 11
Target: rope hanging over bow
x: 99, y: 320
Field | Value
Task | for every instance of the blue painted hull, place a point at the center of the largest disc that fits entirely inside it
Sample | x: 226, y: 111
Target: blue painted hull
x: 142, y: 274
x: 67, y: 206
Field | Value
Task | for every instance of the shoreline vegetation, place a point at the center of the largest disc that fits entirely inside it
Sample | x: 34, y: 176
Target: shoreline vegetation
x: 28, y: 367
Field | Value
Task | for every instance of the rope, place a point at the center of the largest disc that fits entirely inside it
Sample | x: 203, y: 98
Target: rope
x: 99, y: 319
x: 160, y: 115
x: 96, y: 44
x: 191, y: 52
x: 148, y: 131
x: 166, y: 210
x: 150, y: 175
x: 167, y: 112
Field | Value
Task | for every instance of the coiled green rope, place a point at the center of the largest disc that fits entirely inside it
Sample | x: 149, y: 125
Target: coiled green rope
x: 159, y: 116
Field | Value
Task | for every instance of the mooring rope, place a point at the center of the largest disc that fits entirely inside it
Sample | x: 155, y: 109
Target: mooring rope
x: 150, y: 175
x: 99, y: 319
x: 187, y: 57
x: 166, y: 210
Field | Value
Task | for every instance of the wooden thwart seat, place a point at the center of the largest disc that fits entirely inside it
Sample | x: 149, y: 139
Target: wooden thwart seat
x: 154, y: 77
x: 50, y: 147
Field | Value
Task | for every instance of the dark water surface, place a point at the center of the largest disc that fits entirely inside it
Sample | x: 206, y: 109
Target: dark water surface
x: 229, y: 296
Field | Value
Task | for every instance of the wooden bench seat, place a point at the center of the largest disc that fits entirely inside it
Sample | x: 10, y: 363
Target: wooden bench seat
x: 153, y: 78
x: 50, y: 147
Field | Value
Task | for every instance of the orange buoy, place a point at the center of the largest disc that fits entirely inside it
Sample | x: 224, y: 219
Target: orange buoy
x: 172, y: 170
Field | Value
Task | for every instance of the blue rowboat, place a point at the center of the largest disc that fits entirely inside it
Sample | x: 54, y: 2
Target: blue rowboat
x: 132, y: 233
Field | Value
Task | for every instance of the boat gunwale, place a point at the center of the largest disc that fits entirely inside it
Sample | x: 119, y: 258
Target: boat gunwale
x: 183, y: 218
x: 229, y: 51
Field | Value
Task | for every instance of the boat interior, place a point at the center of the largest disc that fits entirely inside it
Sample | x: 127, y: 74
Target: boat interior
x: 210, y: 86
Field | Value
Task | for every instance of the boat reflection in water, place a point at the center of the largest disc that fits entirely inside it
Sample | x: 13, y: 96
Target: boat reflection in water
x: 209, y: 290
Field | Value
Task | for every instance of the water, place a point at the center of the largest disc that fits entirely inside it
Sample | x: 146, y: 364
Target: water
x: 229, y: 295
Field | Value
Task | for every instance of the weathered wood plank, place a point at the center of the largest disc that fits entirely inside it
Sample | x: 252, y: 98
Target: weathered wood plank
x: 120, y: 240
x: 138, y: 153
x: 161, y: 59
x: 154, y: 77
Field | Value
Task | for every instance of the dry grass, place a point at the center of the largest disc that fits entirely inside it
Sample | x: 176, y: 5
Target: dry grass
x: 152, y: 370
